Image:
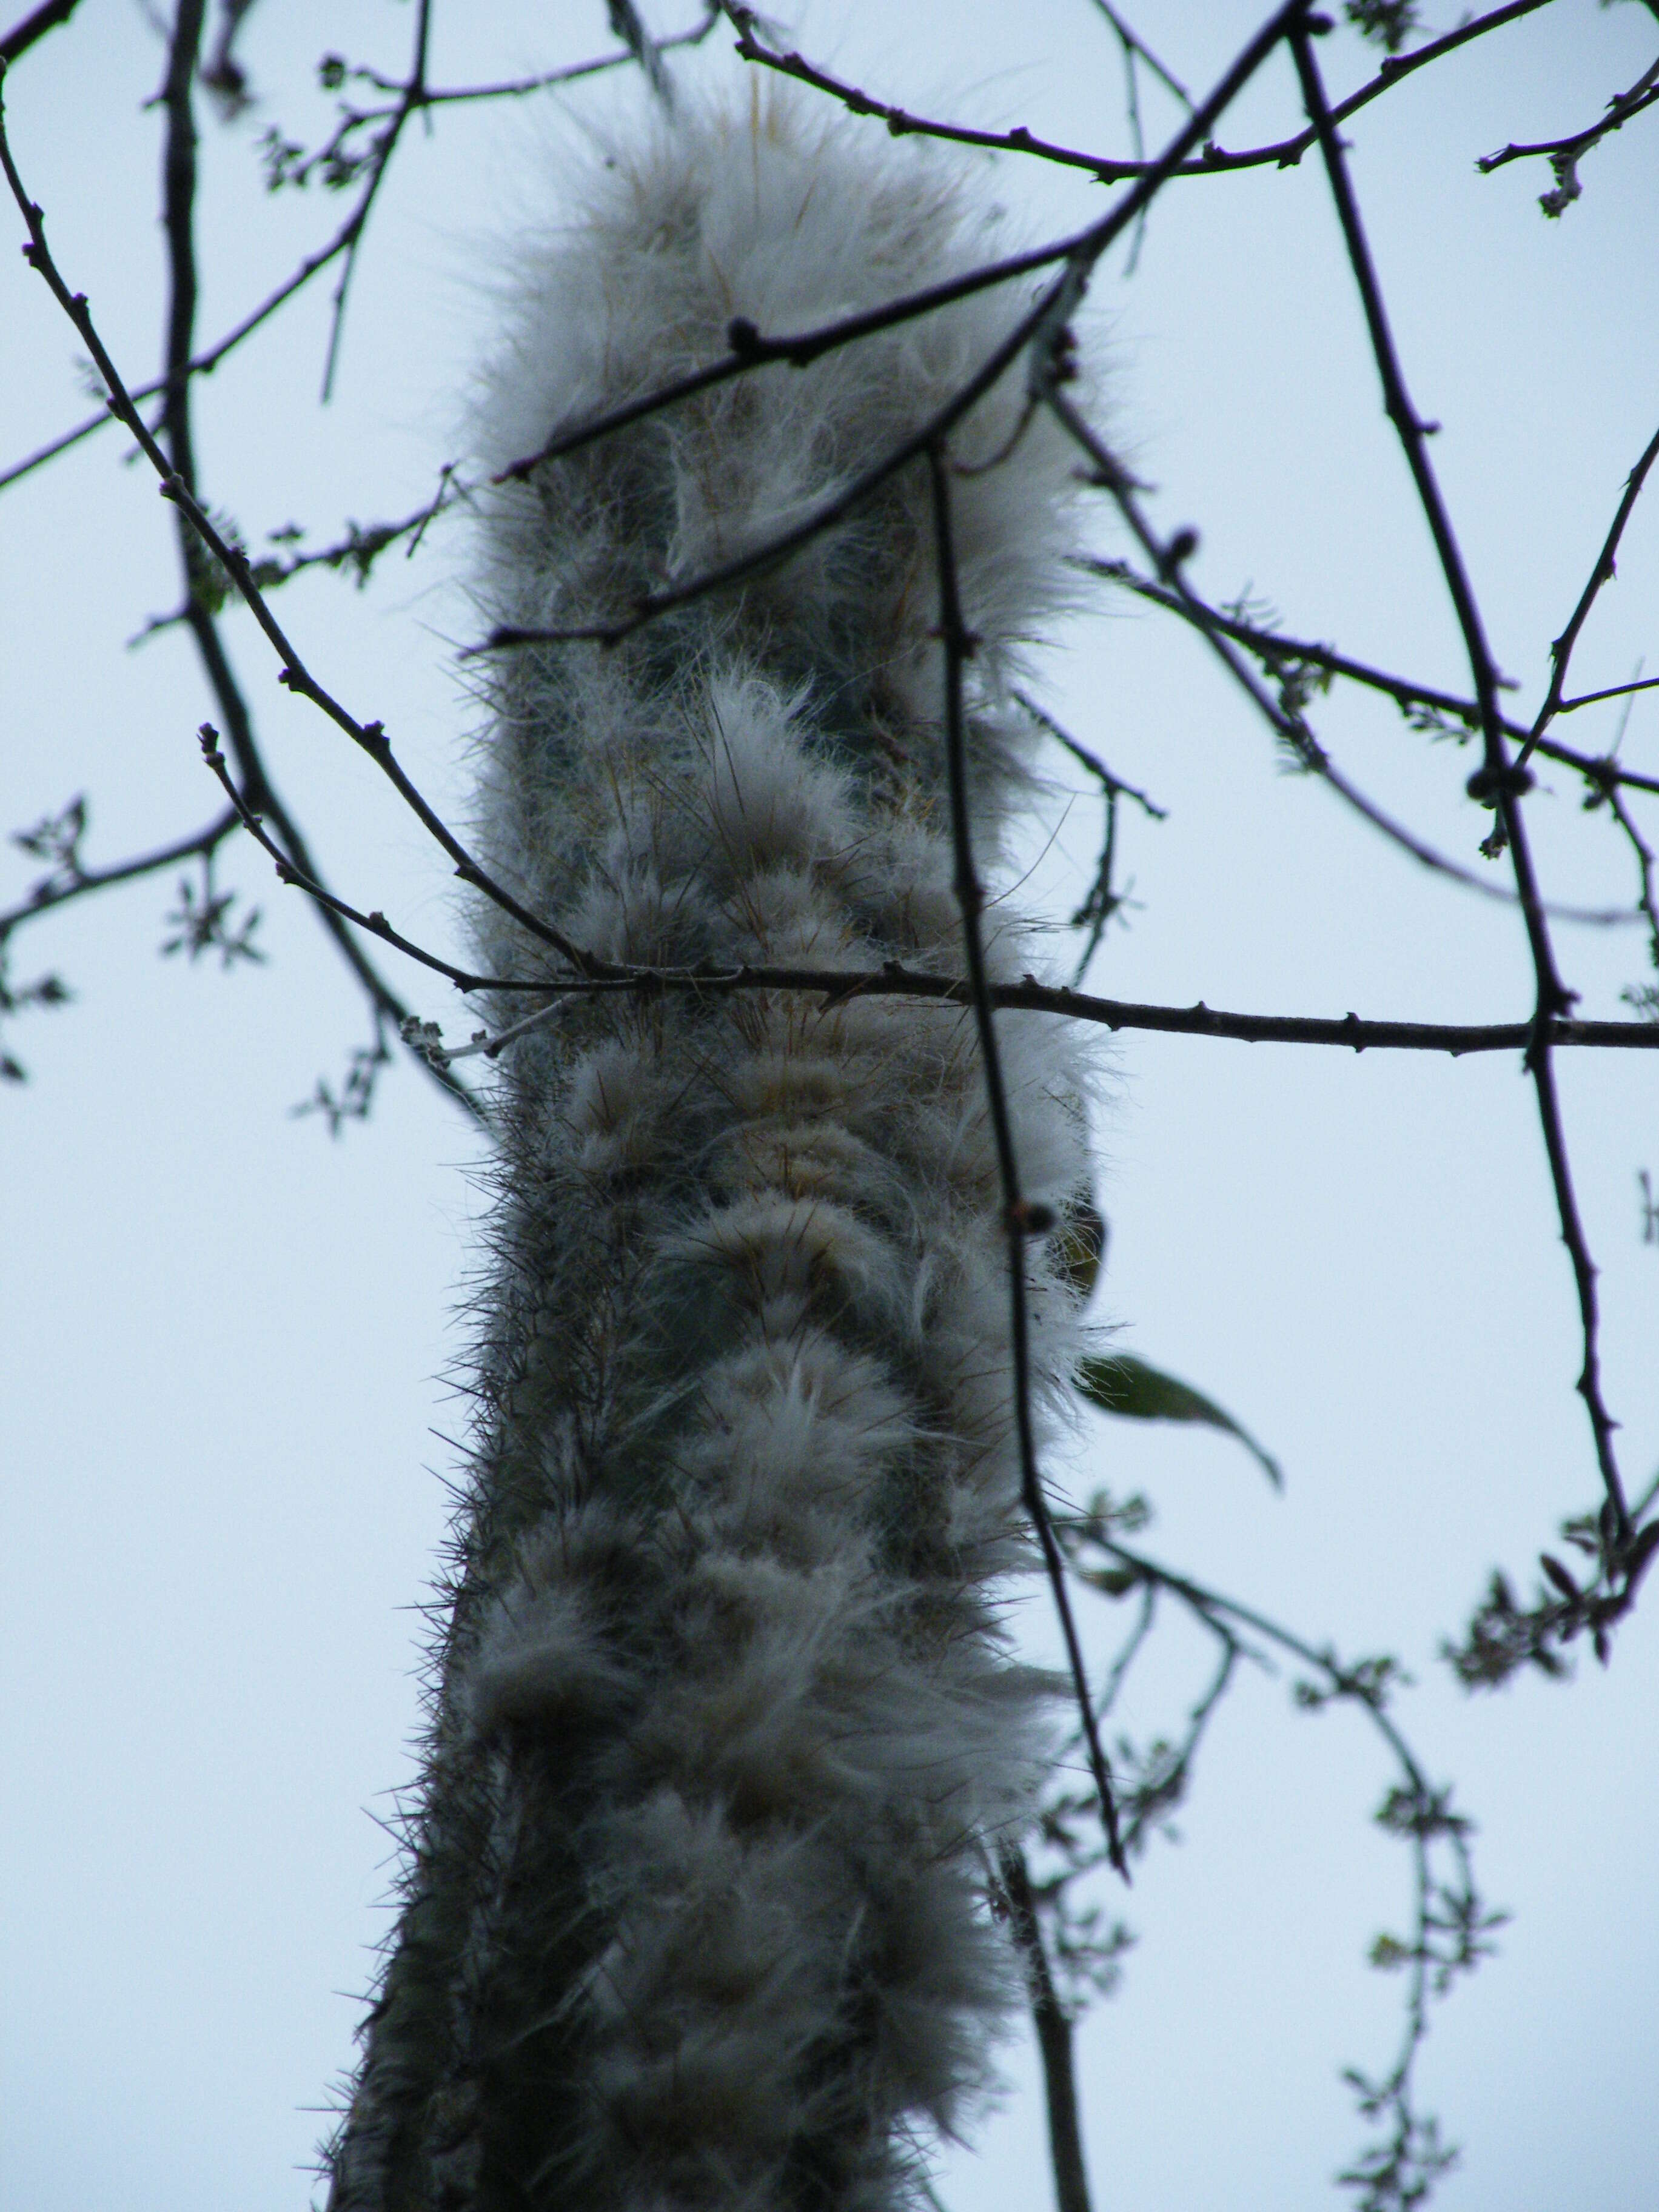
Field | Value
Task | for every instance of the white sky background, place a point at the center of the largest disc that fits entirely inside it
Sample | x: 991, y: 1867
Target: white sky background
x: 224, y: 1336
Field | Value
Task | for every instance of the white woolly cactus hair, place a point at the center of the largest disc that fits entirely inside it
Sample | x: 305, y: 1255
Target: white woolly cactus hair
x: 726, y: 1733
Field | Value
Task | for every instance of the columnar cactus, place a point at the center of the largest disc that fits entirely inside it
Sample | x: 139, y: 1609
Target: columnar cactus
x: 726, y: 1729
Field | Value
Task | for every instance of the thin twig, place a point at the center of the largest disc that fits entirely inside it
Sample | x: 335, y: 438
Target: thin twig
x: 1500, y: 782
x: 203, y: 363
x: 1095, y: 766
x: 1564, y: 151
x: 1101, y: 901
x: 1173, y: 1774
x: 1271, y: 646
x: 413, y: 97
x: 1018, y: 1221
x: 893, y: 980
x: 1215, y: 160
x: 1392, y: 71
x: 362, y: 546
x: 1168, y: 558
x: 1133, y: 52
x: 482, y: 1044
x: 1645, y: 867
x: 1133, y: 45
x: 1501, y: 1637
x: 1602, y: 573
x: 1053, y: 2034
x: 207, y: 840
x: 375, y: 923
x: 899, y: 120
x: 369, y: 737
x: 1595, y: 699
x: 1450, y: 1911
x: 835, y: 986
x: 519, y: 87
x: 179, y: 217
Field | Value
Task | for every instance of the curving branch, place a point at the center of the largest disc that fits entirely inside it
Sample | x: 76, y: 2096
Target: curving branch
x: 1500, y: 782
x: 1019, y: 1219
x: 893, y: 980
x: 1288, y: 722
x: 1452, y: 1927
x: 1562, y: 154
x: 1214, y: 160
x: 899, y: 120
x: 833, y: 986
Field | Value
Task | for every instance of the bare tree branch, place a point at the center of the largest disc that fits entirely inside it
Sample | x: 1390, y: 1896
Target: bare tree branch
x: 1055, y: 2038
x: 1562, y: 154
x: 1452, y: 1927
x: 1595, y: 699
x: 1500, y: 782
x: 1602, y: 573
x: 413, y: 101
x: 1215, y: 160
x: 1275, y: 649
x: 178, y: 472
x: 33, y: 28
x: 369, y: 737
x: 1020, y: 1220
x: 48, y: 895
x: 902, y: 122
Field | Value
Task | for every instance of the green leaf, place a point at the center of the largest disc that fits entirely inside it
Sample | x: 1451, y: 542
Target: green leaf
x: 1119, y: 1383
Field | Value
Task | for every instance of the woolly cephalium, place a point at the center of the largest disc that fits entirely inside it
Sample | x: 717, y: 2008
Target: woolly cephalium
x: 725, y: 1732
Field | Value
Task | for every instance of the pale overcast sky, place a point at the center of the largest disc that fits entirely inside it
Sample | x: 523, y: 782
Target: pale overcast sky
x: 226, y: 1339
